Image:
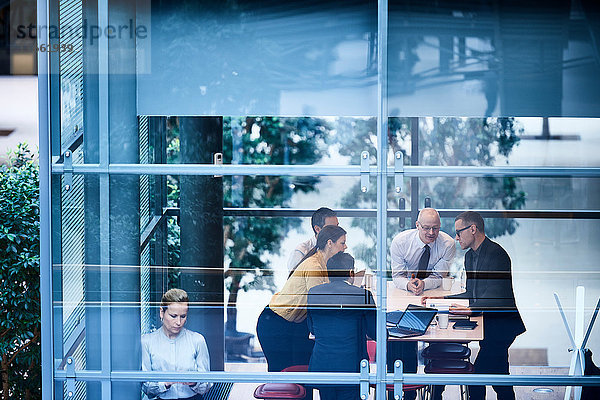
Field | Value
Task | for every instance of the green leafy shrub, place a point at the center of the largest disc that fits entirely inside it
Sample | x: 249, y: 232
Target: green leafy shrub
x: 19, y: 277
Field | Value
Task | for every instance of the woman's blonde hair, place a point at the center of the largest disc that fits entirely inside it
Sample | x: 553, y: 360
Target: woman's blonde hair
x: 174, y: 296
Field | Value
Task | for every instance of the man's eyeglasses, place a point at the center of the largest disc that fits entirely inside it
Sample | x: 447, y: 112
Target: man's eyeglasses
x: 463, y: 229
x: 430, y: 228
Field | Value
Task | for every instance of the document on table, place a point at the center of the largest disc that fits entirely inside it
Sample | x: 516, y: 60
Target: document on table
x: 437, y: 303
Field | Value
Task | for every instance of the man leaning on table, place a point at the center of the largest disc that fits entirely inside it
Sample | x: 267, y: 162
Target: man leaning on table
x: 490, y: 291
x: 421, y: 257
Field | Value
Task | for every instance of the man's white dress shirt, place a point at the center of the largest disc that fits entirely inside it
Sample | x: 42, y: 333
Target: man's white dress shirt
x: 406, y: 251
x: 300, y: 251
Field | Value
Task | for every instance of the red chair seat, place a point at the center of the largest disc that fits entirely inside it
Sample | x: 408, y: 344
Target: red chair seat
x: 371, y: 350
x: 296, y: 368
x: 276, y: 391
x: 406, y: 388
x: 449, y: 367
x: 446, y: 351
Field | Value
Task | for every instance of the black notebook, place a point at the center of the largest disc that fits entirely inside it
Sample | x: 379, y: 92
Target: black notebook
x: 413, y: 322
x: 465, y: 325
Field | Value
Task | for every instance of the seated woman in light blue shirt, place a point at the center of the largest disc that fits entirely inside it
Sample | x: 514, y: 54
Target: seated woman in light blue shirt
x: 174, y: 348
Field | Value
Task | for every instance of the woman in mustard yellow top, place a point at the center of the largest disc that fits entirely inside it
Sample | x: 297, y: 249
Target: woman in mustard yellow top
x: 281, y: 328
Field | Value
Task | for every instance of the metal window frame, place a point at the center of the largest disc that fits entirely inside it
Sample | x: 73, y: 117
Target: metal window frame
x: 47, y: 334
x: 47, y: 122
x: 332, y: 377
x: 410, y: 171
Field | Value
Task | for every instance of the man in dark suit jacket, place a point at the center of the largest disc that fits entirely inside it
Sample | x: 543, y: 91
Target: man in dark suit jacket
x: 340, y: 316
x: 490, y: 291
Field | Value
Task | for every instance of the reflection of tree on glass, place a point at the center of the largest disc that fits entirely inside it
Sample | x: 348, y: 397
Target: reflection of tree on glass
x: 263, y: 141
x: 441, y: 141
x: 478, y: 142
x: 174, y: 348
x: 253, y: 141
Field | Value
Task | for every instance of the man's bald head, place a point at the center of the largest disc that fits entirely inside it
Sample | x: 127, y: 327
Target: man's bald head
x: 428, y: 224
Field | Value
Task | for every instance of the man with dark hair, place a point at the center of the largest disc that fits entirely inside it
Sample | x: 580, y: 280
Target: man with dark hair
x: 490, y: 291
x: 340, y: 316
x: 323, y: 216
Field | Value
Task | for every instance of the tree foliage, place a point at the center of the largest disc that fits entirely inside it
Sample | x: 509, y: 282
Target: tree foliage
x: 300, y: 141
x: 19, y: 277
x: 248, y: 240
x: 263, y: 141
x: 442, y: 142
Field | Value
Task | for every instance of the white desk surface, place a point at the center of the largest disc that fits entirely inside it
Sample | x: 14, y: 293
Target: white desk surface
x: 398, y: 299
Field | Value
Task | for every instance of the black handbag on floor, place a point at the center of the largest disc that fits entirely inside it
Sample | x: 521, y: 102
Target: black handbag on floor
x: 590, y: 392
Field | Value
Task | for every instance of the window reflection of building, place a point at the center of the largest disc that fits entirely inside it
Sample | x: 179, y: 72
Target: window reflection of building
x: 18, y: 53
x: 309, y: 60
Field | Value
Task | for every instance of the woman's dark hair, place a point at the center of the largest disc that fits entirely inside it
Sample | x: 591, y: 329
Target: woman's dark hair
x: 329, y: 232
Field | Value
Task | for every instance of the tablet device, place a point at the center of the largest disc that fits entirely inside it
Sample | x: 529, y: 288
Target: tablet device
x: 465, y: 325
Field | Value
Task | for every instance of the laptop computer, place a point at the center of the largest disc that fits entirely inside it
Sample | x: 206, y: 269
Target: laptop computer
x: 414, y: 321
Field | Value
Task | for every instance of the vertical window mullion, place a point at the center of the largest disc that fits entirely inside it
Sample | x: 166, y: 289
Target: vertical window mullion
x: 382, y: 127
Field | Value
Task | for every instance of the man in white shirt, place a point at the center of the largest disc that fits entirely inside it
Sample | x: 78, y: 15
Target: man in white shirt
x: 421, y: 257
x: 323, y: 216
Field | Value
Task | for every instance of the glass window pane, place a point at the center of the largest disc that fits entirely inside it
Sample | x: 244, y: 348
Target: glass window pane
x: 165, y: 232
x: 259, y: 140
x: 476, y: 59
x: 542, y: 263
x: 510, y: 141
x: 301, y: 59
x: 296, y: 85
x: 512, y: 193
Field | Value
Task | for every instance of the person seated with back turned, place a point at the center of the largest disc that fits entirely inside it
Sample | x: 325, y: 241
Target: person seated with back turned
x: 323, y: 216
x: 421, y: 257
x: 174, y: 348
x: 340, y: 316
x: 490, y: 291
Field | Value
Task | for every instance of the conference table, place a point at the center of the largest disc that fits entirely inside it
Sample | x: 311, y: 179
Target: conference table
x: 399, y: 299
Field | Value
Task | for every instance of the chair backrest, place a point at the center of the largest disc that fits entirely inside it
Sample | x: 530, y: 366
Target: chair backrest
x: 371, y: 350
x: 296, y: 368
x: 280, y: 391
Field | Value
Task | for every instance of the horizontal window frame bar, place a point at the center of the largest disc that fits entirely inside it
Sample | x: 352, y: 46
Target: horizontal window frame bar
x: 395, y: 213
x: 332, y: 377
x: 410, y: 171
x: 174, y: 212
